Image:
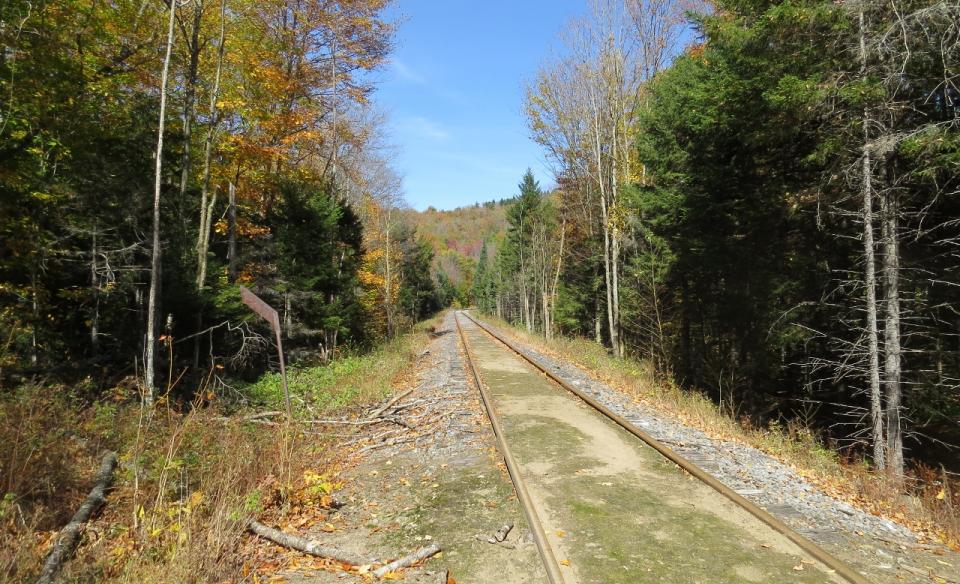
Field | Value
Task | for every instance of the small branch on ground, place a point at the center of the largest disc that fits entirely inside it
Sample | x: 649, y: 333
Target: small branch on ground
x: 503, y: 532
x: 386, y: 406
x: 314, y: 548
x: 407, y: 561
x: 70, y: 535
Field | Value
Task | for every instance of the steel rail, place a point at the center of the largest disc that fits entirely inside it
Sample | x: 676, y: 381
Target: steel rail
x: 811, y: 548
x: 550, y: 563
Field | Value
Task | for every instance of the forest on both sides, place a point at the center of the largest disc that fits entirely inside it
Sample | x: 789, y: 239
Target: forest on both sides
x: 273, y: 172
x: 760, y: 199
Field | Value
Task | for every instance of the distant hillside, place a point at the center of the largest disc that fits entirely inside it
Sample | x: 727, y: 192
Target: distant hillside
x: 457, y: 235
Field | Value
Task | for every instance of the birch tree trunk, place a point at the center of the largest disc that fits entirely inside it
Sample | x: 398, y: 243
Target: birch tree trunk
x: 152, y: 308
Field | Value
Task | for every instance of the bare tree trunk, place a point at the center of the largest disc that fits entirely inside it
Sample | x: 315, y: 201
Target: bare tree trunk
x: 597, y: 320
x: 35, y: 312
x: 95, y: 289
x: 206, y: 208
x: 556, y: 279
x: 190, y: 92
x: 870, y: 277
x: 388, y: 276
x: 232, y: 235
x: 891, y: 330
x: 608, y: 278
x: 155, y: 254
x: 615, y: 272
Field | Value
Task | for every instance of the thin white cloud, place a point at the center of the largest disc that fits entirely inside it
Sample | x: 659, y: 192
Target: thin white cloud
x: 420, y: 126
x: 406, y: 73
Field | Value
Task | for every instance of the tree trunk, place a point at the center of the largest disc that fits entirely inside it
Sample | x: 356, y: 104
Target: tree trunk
x: 232, y: 235
x: 608, y: 278
x: 615, y: 273
x: 189, y: 97
x: 95, y: 290
x: 556, y: 279
x: 597, y: 319
x: 870, y: 278
x: 891, y: 329
x: 68, y: 538
x: 388, y: 277
x: 152, y: 307
x: 206, y: 208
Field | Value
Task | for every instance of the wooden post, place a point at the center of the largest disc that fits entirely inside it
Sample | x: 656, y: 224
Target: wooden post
x: 270, y: 315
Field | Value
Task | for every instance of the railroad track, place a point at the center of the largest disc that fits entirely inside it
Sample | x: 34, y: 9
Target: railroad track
x: 636, y: 524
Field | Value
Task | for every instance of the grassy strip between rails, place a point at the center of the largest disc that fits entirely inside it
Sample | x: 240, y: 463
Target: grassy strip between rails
x: 931, y: 505
x: 186, y: 478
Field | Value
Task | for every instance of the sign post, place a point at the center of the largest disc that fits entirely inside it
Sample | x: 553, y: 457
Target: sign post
x: 270, y: 315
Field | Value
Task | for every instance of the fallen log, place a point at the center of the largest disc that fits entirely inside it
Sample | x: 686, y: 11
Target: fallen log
x: 407, y: 561
x: 69, y: 536
x: 314, y: 548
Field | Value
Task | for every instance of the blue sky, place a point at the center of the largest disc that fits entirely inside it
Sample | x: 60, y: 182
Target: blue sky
x: 454, y: 95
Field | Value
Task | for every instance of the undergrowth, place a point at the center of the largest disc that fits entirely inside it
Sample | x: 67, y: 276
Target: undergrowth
x: 187, y: 479
x: 349, y: 379
x: 927, y: 501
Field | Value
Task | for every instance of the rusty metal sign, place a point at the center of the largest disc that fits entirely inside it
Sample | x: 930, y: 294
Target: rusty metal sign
x: 269, y: 314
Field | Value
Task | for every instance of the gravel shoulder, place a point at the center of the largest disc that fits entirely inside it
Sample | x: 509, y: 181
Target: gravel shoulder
x: 882, y: 550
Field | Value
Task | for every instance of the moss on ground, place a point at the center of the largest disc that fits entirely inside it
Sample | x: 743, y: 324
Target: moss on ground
x: 469, y: 499
x: 643, y: 522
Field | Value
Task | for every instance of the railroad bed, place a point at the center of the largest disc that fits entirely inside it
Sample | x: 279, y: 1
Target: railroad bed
x: 606, y: 506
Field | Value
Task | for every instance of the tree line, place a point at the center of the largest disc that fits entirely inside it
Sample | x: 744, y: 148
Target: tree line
x: 760, y: 197
x: 156, y: 154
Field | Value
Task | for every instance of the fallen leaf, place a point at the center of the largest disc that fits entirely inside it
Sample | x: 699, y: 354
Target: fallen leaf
x: 798, y: 567
x: 561, y: 533
x: 564, y: 562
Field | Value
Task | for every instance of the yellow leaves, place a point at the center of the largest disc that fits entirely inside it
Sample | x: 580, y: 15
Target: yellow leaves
x: 196, y: 498
x: 941, y: 495
x: 565, y: 563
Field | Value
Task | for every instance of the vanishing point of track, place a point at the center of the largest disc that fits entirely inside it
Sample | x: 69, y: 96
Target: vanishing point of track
x: 555, y: 574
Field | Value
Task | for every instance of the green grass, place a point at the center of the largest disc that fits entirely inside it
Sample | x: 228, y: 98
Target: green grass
x: 349, y: 381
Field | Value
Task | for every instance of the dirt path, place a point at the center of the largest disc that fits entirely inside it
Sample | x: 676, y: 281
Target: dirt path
x: 614, y: 510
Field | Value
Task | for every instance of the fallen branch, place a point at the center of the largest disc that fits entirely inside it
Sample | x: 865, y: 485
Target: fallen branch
x: 386, y: 406
x: 345, y: 422
x: 68, y: 538
x: 314, y: 548
x: 407, y: 561
x: 390, y: 442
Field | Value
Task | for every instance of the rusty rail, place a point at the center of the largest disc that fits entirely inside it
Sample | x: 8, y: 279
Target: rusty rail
x: 811, y: 548
x: 550, y: 563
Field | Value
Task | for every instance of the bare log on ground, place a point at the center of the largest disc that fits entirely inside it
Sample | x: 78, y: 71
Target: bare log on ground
x: 314, y: 548
x: 68, y: 538
x: 407, y: 561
